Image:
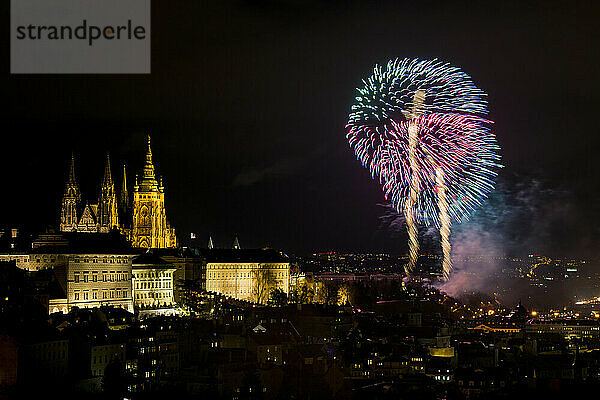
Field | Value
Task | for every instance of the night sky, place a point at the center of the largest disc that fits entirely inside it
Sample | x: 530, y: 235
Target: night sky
x: 247, y: 103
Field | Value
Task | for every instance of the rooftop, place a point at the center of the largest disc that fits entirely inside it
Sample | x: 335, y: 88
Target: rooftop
x: 88, y: 243
x: 243, y: 256
x: 150, y: 259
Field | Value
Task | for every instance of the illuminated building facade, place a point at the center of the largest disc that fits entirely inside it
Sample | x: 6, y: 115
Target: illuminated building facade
x: 95, y: 280
x: 150, y: 227
x: 152, y: 282
x: 572, y: 328
x: 93, y: 218
x: 497, y: 328
x: 92, y: 270
x: 246, y: 274
x: 143, y: 220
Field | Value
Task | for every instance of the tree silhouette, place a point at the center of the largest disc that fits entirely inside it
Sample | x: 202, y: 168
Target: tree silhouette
x: 264, y: 282
x: 278, y: 298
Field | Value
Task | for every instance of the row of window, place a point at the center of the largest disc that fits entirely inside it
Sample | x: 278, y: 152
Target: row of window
x: 246, y: 266
x: 112, y: 276
x: 100, y: 359
x: 562, y: 327
x: 146, y: 196
x: 48, y: 345
x: 160, y: 295
x: 105, y: 294
x: 153, y: 285
x: 142, y: 275
x: 45, y: 259
x: 233, y: 293
x: 105, y: 260
x: 230, y: 284
x: 15, y: 258
x: 242, y: 274
x: 52, y: 356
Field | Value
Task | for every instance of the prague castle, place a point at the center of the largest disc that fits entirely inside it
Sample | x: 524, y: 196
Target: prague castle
x: 121, y: 252
x: 143, y: 220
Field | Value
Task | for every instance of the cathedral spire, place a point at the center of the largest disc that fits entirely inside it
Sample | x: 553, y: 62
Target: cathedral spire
x: 107, y: 180
x: 72, y: 170
x: 236, y: 244
x: 72, y: 188
x: 124, y: 192
x: 210, y: 243
x: 108, y: 217
x: 148, y: 174
x: 149, y: 151
x: 70, y: 201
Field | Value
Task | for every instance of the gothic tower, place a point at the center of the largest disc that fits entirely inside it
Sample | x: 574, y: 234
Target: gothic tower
x: 108, y: 217
x: 124, y: 199
x: 70, y: 202
x: 149, y: 226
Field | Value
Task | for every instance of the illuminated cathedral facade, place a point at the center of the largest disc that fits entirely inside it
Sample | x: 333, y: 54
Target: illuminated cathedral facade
x: 142, y: 218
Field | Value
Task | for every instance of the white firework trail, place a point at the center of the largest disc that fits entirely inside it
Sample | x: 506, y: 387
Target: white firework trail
x: 444, y: 221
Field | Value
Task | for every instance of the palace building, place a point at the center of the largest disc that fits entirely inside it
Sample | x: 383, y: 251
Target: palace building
x: 152, y: 282
x: 92, y: 270
x: 246, y: 274
x: 143, y: 220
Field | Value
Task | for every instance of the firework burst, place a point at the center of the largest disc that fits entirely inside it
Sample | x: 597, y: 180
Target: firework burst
x: 418, y: 126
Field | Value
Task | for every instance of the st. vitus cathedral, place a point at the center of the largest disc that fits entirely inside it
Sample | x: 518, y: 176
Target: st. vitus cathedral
x: 142, y: 219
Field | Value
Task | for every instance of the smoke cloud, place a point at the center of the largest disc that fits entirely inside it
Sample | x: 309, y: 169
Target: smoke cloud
x: 283, y: 167
x: 522, y: 216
